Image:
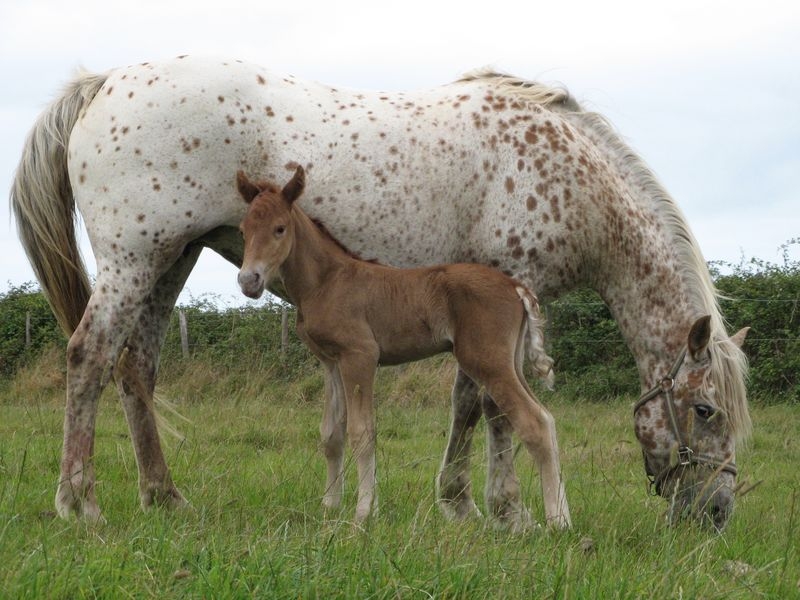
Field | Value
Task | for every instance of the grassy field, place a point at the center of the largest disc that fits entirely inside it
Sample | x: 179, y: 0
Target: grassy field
x: 251, y: 467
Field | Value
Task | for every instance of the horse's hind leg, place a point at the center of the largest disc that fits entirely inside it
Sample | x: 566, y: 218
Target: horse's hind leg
x: 92, y: 352
x: 136, y: 378
x: 454, y: 487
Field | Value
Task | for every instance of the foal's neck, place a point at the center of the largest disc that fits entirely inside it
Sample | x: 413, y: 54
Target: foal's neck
x: 314, y: 258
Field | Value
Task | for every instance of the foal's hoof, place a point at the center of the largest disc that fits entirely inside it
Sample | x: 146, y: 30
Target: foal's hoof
x: 69, y: 506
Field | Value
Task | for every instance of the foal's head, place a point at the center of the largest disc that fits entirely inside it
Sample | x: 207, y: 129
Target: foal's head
x: 267, y: 228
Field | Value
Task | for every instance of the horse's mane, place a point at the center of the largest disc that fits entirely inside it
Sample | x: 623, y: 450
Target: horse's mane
x: 531, y: 91
x: 728, y: 362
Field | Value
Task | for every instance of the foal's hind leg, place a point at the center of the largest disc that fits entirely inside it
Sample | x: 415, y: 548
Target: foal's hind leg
x: 536, y: 428
x: 502, y: 494
x: 454, y: 487
x: 136, y: 383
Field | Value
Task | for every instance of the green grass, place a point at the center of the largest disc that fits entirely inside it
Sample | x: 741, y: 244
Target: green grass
x: 251, y: 467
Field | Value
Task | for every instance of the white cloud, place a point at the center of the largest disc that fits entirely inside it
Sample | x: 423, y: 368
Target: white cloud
x: 707, y: 92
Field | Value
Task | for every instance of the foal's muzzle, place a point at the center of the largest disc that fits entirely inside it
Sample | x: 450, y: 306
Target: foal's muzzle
x: 251, y: 283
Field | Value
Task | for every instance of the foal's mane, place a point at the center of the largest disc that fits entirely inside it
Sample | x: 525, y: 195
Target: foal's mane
x: 728, y: 362
x: 327, y: 234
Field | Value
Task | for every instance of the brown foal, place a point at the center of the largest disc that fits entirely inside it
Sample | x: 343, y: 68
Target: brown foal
x: 355, y: 315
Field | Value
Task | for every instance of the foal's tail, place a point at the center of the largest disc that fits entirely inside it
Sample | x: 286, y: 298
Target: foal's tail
x: 532, y: 329
x: 44, y: 208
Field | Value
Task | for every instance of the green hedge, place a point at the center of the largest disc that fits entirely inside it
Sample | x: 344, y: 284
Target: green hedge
x: 591, y: 358
x: 15, y: 305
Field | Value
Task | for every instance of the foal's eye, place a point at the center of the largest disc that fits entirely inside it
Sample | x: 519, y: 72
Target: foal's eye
x: 704, y: 411
x: 280, y: 230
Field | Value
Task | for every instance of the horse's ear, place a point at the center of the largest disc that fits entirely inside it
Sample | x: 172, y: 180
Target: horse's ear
x: 247, y: 189
x: 738, y: 337
x: 292, y: 190
x: 699, y: 336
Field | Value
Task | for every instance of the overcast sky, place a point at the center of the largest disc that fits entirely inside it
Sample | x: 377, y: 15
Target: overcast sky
x: 707, y: 92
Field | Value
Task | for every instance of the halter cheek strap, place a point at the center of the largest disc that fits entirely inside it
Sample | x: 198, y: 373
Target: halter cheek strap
x: 686, y: 456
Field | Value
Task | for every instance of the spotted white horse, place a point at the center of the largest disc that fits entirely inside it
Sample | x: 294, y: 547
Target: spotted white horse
x: 488, y: 169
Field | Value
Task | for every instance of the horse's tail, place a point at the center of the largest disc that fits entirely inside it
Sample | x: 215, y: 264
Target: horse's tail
x: 534, y: 338
x: 44, y: 208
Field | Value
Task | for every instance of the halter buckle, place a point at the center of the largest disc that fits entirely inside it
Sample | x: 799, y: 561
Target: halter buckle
x: 652, y: 486
x: 667, y: 384
x: 685, y: 456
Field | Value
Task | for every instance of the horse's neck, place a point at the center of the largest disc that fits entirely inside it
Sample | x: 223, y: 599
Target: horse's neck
x: 654, y: 317
x: 648, y: 269
x: 312, y: 260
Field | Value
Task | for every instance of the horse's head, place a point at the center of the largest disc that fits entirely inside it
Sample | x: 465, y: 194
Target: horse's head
x: 267, y: 228
x: 686, y: 436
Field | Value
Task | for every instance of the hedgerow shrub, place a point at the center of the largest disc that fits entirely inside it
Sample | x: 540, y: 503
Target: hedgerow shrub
x: 592, y: 361
x: 766, y: 297
x: 16, y: 304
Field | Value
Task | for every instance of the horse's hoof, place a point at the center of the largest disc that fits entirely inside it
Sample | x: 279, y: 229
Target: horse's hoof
x: 459, y: 510
x: 169, y: 498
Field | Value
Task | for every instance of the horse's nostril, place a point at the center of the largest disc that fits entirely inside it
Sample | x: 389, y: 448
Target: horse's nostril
x: 720, y: 508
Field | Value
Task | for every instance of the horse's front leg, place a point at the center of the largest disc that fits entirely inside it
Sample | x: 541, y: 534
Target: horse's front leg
x: 535, y: 426
x: 357, y: 370
x: 502, y: 494
x: 332, y: 434
x: 454, y: 486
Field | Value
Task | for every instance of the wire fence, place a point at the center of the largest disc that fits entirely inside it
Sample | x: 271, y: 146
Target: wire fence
x: 198, y: 327
x: 580, y: 334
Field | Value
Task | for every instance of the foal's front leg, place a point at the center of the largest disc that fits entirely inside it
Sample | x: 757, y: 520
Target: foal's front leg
x: 357, y: 370
x: 332, y: 432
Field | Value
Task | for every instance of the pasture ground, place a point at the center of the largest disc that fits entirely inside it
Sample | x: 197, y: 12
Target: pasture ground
x: 250, y: 465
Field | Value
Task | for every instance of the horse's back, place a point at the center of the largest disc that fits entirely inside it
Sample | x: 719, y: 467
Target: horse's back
x: 461, y: 172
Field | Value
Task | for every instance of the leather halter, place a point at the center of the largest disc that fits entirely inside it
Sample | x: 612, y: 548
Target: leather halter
x: 686, y: 456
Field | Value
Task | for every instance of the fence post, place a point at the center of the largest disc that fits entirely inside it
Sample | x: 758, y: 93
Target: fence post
x: 284, y: 330
x: 184, y: 333
x: 28, y: 329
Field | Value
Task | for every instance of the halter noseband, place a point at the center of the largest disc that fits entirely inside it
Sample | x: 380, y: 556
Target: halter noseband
x: 686, y: 456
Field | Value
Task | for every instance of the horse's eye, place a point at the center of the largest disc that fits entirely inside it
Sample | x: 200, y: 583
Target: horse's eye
x: 280, y: 230
x: 704, y: 411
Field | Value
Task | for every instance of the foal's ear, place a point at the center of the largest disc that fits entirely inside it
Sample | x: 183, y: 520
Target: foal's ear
x: 292, y: 190
x: 247, y: 189
x: 699, y: 336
